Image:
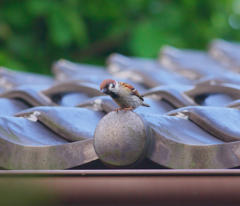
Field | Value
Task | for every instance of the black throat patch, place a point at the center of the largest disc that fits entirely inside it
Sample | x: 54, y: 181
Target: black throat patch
x: 113, y: 94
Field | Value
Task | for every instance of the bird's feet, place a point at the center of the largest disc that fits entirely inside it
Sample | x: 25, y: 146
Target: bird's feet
x: 128, y: 109
x: 125, y: 109
x: 118, y: 109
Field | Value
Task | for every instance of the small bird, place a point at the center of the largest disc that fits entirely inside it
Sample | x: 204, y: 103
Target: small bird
x: 123, y: 94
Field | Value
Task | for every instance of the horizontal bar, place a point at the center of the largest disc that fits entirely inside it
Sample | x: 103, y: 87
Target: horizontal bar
x: 132, y: 172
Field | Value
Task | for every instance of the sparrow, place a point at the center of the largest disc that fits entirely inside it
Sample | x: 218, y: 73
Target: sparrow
x: 123, y: 94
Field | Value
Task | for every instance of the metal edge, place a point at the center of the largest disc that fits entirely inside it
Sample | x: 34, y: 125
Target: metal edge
x: 121, y: 172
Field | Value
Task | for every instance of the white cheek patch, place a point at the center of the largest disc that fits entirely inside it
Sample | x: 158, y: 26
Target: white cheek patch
x: 114, y: 89
x: 117, y: 86
x: 111, y: 88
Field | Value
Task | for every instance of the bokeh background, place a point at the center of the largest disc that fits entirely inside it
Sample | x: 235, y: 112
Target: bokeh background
x: 35, y: 33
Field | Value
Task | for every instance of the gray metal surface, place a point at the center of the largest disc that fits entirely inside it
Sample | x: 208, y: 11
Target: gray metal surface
x: 10, y: 79
x: 73, y: 86
x: 73, y: 124
x: 174, y: 141
x: 106, y: 104
x: 227, y: 53
x: 30, y: 94
x: 26, y: 144
x: 27, y: 133
x: 158, y: 106
x: 145, y: 71
x: 185, y: 145
x: 11, y: 106
x: 65, y: 70
x: 100, y: 103
x: 217, y: 100
x: 68, y: 71
x: 220, y: 122
x: 72, y: 99
x: 118, y: 62
x: 121, y: 187
x: 232, y: 90
x: 174, y: 94
x: 191, y: 64
x: 192, y: 136
x: 226, y: 77
x: 235, y: 104
x: 48, y: 157
x: 29, y: 145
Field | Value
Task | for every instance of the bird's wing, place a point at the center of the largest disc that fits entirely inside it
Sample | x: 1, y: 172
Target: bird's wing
x: 133, y: 91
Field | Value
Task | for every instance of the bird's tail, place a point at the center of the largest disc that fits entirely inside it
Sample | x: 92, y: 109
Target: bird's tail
x: 145, y: 104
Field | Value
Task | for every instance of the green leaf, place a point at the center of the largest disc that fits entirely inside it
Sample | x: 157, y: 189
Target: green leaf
x: 9, y: 62
x: 59, y: 31
x: 76, y: 24
x: 38, y: 8
x: 148, y: 37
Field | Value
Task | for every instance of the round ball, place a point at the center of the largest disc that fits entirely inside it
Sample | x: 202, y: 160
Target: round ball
x: 120, y: 139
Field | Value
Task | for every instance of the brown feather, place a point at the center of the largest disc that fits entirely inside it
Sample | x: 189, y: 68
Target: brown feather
x: 132, y: 89
x: 135, y: 92
x: 129, y: 86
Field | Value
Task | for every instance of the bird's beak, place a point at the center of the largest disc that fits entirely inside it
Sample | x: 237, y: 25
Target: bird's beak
x: 104, y: 90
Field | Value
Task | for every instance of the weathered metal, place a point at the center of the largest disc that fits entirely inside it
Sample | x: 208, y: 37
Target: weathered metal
x: 222, y: 78
x: 66, y: 70
x: 100, y: 103
x: 174, y: 94
x: 70, y: 99
x: 235, y: 104
x: 122, y: 187
x: 89, y: 89
x: 232, y: 90
x: 148, y: 72
x: 26, y: 144
x: 10, y: 79
x: 192, y: 64
x: 190, y: 137
x: 220, y: 122
x: 50, y: 157
x: 30, y: 94
x: 187, y: 145
x: 73, y: 124
x: 173, y: 141
x: 11, y: 106
x: 106, y: 104
x: 227, y: 53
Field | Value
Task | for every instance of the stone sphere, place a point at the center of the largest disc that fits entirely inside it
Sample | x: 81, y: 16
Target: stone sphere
x: 121, y: 140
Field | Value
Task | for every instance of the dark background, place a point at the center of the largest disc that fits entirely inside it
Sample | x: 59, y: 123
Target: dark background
x: 34, y: 33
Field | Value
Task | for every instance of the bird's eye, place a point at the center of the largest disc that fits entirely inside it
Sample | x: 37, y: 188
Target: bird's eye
x: 107, y: 85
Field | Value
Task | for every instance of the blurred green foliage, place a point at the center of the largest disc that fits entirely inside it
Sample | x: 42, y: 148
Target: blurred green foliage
x: 35, y: 33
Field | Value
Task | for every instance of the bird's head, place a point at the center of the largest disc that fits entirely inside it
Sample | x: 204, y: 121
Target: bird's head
x: 109, y: 86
